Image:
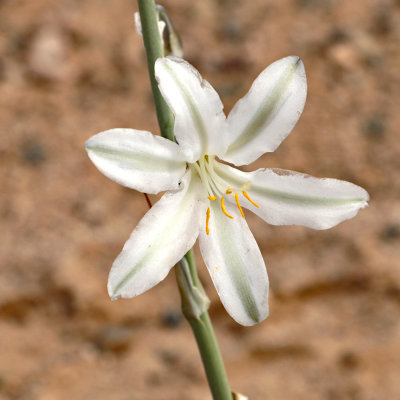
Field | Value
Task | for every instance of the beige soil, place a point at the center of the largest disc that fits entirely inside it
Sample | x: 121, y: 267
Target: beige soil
x: 70, y: 69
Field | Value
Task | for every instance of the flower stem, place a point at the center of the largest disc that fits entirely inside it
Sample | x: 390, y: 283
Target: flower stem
x: 154, y: 49
x: 202, y: 327
x: 208, y: 345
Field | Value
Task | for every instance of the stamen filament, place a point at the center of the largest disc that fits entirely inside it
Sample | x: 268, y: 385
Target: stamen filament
x: 214, y: 188
x: 224, y: 209
x: 238, y: 204
x: 203, y: 176
x: 249, y: 199
x: 207, y: 221
x: 219, y: 183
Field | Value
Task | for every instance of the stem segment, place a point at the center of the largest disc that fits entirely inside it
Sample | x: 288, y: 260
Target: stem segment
x: 202, y: 328
x: 154, y: 49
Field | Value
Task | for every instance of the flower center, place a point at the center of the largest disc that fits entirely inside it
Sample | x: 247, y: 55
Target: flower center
x: 217, y: 187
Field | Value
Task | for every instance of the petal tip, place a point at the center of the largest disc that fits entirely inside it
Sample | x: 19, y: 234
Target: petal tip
x: 295, y: 60
x: 114, y: 295
x: 255, y: 319
x: 88, y: 143
x: 112, y: 292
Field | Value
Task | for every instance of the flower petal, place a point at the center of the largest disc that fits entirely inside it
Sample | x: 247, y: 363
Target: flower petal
x: 236, y: 266
x: 137, y: 159
x: 161, y: 239
x: 292, y: 198
x: 199, y: 118
x: 261, y: 120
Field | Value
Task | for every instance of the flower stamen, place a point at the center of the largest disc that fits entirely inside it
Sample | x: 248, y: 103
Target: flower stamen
x: 249, y: 199
x: 224, y: 209
x: 212, y: 198
x: 207, y: 221
x: 228, y: 191
x: 238, y: 204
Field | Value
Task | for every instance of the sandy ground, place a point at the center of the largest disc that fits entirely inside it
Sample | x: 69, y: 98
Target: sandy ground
x: 70, y: 69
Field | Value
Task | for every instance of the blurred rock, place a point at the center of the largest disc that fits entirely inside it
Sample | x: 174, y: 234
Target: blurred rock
x: 382, y: 23
x: 349, y: 360
x: 274, y: 352
x: 33, y: 152
x: 47, y: 58
x: 172, y: 318
x: 113, y: 338
x: 390, y: 232
x: 343, y: 55
x: 169, y: 357
x: 351, y: 48
x: 338, y: 35
x: 375, y: 127
x: 231, y: 30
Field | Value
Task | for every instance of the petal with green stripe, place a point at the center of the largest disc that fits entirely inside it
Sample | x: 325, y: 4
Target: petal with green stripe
x: 261, y: 120
x: 292, y: 198
x: 160, y: 240
x: 137, y: 159
x: 199, y: 118
x: 235, y: 264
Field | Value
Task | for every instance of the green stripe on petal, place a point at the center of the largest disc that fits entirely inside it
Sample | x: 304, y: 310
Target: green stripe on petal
x: 265, y: 116
x: 199, y: 119
x: 235, y: 265
x: 137, y: 159
x: 160, y: 240
x: 267, y: 108
x: 194, y: 112
x: 292, y: 198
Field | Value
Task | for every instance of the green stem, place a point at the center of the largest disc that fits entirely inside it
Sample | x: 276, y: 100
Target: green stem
x: 202, y: 327
x: 208, y: 345
x: 154, y: 50
x: 211, y: 357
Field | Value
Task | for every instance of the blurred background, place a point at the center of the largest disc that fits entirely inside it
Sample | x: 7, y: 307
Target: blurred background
x: 70, y: 69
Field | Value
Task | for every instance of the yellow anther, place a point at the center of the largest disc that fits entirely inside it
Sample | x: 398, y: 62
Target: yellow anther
x: 238, y: 204
x: 212, y: 198
x: 228, y: 191
x: 223, y: 208
x: 207, y: 221
x: 249, y: 199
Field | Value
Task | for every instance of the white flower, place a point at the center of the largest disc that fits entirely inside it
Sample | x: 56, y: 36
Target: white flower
x: 206, y: 197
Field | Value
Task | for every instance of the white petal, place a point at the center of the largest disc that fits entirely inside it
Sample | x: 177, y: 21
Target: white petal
x: 262, y: 119
x: 199, y: 118
x: 137, y: 159
x: 236, y: 266
x: 162, y: 237
x: 292, y: 198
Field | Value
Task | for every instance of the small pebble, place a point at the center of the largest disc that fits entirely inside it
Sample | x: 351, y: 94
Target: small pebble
x: 390, y: 232
x: 47, y: 58
x: 349, y: 360
x: 33, y: 153
x: 113, y: 338
x: 375, y: 127
x: 338, y: 35
x: 382, y: 22
x: 172, y: 319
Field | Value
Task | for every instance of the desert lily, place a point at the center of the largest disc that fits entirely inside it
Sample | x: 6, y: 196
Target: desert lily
x: 206, y: 196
